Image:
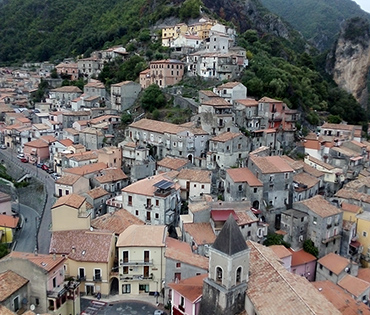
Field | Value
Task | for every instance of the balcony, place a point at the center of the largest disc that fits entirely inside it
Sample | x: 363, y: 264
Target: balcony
x: 97, y: 279
x: 135, y: 277
x: 148, y: 206
x: 137, y: 263
x: 81, y: 278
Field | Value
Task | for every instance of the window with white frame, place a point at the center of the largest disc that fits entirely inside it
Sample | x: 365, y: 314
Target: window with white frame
x: 97, y: 274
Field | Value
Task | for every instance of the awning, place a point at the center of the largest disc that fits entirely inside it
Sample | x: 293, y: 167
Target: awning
x: 355, y: 244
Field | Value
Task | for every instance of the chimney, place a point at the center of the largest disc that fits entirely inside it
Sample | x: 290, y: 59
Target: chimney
x: 73, y: 249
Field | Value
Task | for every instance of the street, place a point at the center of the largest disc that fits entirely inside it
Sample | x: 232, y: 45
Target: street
x: 26, y: 240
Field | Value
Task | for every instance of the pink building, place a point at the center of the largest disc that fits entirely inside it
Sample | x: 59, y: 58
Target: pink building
x: 303, y: 264
x: 36, y: 150
x: 186, y: 295
x: 68, y: 70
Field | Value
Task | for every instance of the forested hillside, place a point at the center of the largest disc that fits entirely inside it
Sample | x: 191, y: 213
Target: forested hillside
x: 319, y: 21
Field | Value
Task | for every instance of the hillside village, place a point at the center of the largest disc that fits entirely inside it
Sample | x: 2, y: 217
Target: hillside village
x: 182, y: 211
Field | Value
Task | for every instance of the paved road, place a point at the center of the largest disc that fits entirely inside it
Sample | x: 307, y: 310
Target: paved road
x: 94, y: 307
x: 44, y: 235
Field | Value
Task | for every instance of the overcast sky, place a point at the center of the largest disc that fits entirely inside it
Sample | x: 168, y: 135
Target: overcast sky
x: 364, y: 4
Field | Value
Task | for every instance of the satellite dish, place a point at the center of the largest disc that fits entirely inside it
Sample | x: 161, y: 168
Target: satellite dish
x: 32, y: 307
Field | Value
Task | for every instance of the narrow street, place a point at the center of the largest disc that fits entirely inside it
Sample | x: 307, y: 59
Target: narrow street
x: 26, y: 241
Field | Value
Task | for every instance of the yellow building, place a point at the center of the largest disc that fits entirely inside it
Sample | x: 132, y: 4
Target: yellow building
x: 141, y: 261
x: 8, y: 225
x: 350, y: 211
x: 90, y: 258
x: 70, y: 212
x: 363, y: 231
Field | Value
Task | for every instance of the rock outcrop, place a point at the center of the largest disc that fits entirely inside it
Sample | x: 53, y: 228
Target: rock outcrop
x: 349, y: 62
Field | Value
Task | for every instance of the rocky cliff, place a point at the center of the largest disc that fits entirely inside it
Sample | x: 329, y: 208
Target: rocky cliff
x: 349, y: 62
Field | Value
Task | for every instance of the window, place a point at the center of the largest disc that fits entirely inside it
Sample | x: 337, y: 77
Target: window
x: 136, y: 212
x: 157, y: 215
x: 126, y: 288
x: 97, y: 274
x: 314, y: 220
x: 249, y: 233
x: 240, y: 187
x: 130, y: 200
x: 219, y: 274
x: 255, y: 190
x: 146, y: 256
x: 81, y: 273
x: 125, y: 270
x: 202, y: 186
x: 157, y: 203
x: 364, y: 233
x: 238, y: 275
x: 16, y: 304
x: 177, y: 276
x: 54, y: 282
x: 320, y: 266
x: 330, y: 273
x: 178, y: 265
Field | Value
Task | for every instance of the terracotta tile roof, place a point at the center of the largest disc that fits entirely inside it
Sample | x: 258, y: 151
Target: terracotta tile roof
x: 110, y: 175
x: 209, y: 93
x: 281, y: 286
x: 181, y: 252
x: 281, y: 251
x: 296, y: 165
x: 122, y: 83
x: 268, y: 100
x: 346, y: 151
x: 226, y: 136
x: 217, y: 102
x: 300, y: 257
x: 95, y: 84
x: 352, y: 195
x: 350, y: 208
x: 202, y: 233
x: 353, y: 285
x: 72, y: 200
x: 321, y: 163
x: 245, y: 217
x: 334, y: 263
x: 6, y: 311
x: 311, y: 170
x: 243, y: 175
x: 306, y: 179
x: 67, y: 89
x: 82, y: 245
x: 83, y: 156
x: 66, y: 142
x: 38, y: 143
x: 337, y: 126
x: 364, y: 274
x: 97, y: 192
x: 228, y: 85
x: 8, y: 221
x: 191, y: 288
x: 247, y: 102
x: 137, y: 236
x: 146, y: 186
x: 319, y: 205
x: 4, y: 197
x: 71, y: 131
x: 116, y: 222
x: 68, y: 179
x: 86, y: 169
x: 157, y: 126
x: 10, y: 282
x: 342, y: 301
x: 198, y: 206
x: 46, y: 262
x: 271, y: 164
x: 48, y: 139
x: 172, y: 163
x: 194, y: 175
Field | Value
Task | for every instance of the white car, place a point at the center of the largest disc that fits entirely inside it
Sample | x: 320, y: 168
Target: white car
x: 20, y: 156
x: 3, y: 146
x: 158, y: 312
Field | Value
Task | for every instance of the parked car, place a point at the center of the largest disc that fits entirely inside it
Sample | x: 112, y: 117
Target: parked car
x: 158, y: 312
x: 39, y: 165
x: 50, y: 171
x: 24, y: 160
x: 20, y: 156
x: 55, y: 176
x: 3, y: 146
x: 44, y: 167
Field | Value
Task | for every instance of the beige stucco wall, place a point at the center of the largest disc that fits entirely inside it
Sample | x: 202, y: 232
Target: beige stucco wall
x: 66, y: 218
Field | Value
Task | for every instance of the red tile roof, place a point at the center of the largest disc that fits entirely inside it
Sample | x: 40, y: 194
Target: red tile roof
x: 301, y: 257
x: 46, y: 262
x: 244, y: 175
x: 8, y: 221
x: 10, y: 282
x: 191, y: 288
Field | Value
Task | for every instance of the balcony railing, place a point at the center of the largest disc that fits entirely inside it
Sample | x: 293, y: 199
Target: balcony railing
x: 149, y: 262
x: 97, y: 278
x: 81, y: 278
x: 135, y: 277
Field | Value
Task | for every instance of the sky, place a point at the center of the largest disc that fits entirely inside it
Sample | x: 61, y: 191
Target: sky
x: 364, y: 4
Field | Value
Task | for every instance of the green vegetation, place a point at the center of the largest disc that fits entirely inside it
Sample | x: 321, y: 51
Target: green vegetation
x: 279, y: 72
x: 3, y: 250
x: 309, y: 247
x: 317, y: 20
x: 152, y: 98
x: 275, y: 239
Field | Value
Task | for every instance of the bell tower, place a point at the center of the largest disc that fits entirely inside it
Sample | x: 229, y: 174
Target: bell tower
x: 225, y: 288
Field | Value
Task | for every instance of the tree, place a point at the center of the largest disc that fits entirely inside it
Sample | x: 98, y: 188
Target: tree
x: 275, y: 239
x: 153, y: 98
x: 309, y: 247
